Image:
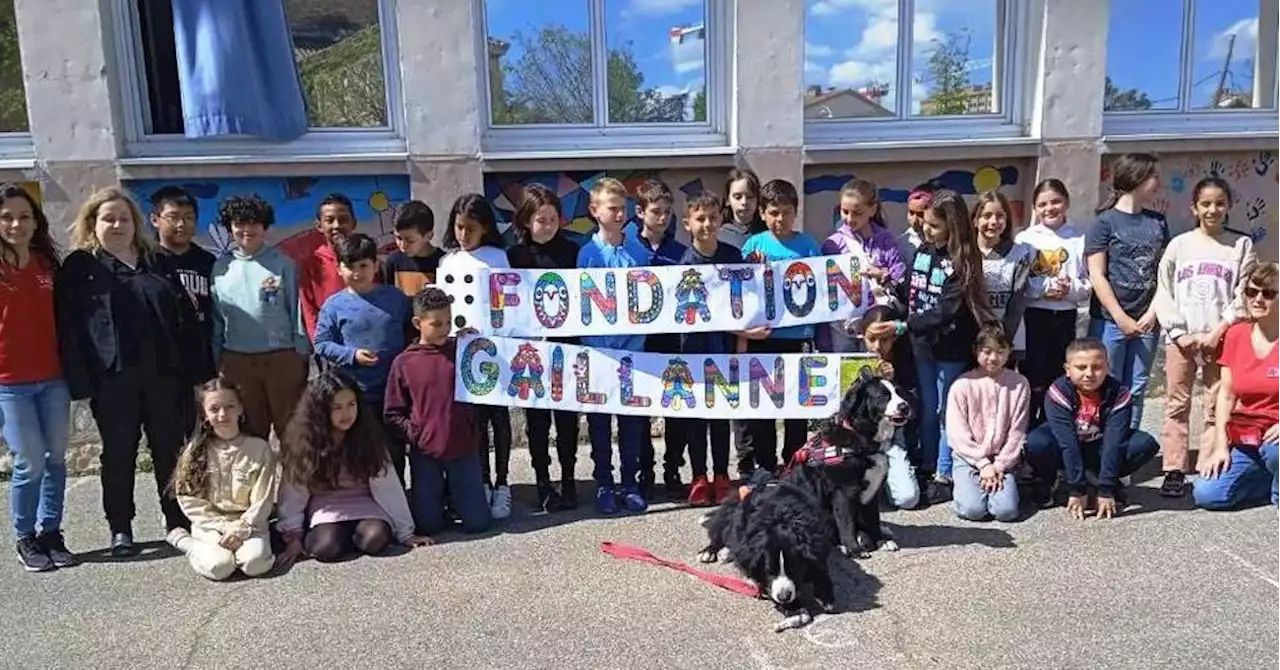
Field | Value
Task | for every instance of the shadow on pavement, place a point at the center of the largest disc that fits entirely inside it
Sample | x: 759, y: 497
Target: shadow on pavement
x: 919, y: 537
x: 147, y: 551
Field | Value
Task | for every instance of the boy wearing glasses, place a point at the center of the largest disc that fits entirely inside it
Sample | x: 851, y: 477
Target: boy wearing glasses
x: 175, y: 216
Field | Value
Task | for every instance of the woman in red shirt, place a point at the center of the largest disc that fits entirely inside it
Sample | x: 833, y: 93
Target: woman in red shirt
x: 34, y: 400
x: 1240, y: 469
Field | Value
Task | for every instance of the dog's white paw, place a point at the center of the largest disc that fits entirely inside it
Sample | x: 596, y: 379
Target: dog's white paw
x: 707, y: 556
x: 725, y: 555
x: 794, y: 621
x: 889, y: 545
x: 864, y: 541
x: 844, y: 551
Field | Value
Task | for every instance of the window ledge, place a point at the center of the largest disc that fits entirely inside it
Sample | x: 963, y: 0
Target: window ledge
x: 261, y: 159
x: 631, y: 158
x: 930, y: 149
x: 17, y: 163
x: 1214, y: 124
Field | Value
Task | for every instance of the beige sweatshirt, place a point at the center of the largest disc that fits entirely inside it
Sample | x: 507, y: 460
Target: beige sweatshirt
x: 1198, y: 284
x: 241, y: 492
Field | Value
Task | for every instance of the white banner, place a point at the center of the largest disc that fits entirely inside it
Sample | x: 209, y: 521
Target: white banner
x: 550, y: 375
x: 665, y: 299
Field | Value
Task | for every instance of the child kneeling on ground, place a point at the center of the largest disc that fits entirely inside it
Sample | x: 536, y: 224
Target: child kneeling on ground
x: 441, y: 433
x: 895, y: 362
x: 1087, y: 414
x: 226, y: 485
x: 987, y: 414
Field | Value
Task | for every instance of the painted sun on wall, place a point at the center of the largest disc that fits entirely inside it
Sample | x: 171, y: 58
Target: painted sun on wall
x: 295, y: 200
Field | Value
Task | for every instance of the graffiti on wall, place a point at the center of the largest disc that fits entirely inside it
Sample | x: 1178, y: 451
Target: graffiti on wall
x: 295, y: 201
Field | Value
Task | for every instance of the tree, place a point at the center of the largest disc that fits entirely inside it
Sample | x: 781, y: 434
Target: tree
x: 1113, y: 99
x: 949, y: 74
x: 343, y: 82
x: 551, y: 82
x: 700, y: 105
x: 13, y: 97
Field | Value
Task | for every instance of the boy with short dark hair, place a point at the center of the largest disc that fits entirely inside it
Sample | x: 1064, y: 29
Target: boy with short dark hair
x: 758, y: 444
x: 176, y: 218
x: 318, y: 273
x: 362, y: 328
x: 1086, y: 430
x: 610, y: 247
x: 441, y: 433
x: 412, y: 266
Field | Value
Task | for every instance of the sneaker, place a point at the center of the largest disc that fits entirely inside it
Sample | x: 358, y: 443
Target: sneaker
x: 180, y: 539
x: 32, y: 557
x: 488, y: 495
x: 1175, y: 484
x: 937, y: 491
x: 122, y: 545
x: 675, y: 488
x: 1121, y: 495
x: 500, y: 508
x: 548, y: 497
x: 720, y: 489
x: 56, y: 549
x: 606, y: 501
x: 700, y: 492
x: 1040, y: 494
x: 633, y: 501
x: 569, y: 494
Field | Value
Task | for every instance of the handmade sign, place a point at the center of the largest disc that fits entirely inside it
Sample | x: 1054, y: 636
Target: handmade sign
x: 851, y: 365
x: 549, y: 375
x: 666, y: 299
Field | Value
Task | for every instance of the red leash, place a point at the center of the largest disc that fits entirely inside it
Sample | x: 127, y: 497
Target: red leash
x: 632, y: 553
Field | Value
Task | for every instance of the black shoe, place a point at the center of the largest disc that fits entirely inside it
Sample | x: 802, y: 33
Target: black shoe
x: 1121, y: 496
x: 937, y: 492
x: 32, y: 557
x: 548, y: 497
x: 1175, y: 484
x: 674, y: 487
x: 1040, y: 494
x: 646, y: 488
x: 56, y: 548
x: 122, y: 545
x: 568, y: 494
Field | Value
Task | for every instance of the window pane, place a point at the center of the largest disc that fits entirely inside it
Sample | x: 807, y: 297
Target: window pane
x: 657, y: 60
x: 850, y: 59
x: 338, y: 44
x: 1227, y: 60
x: 955, y: 58
x: 13, y: 97
x: 539, y: 62
x: 1144, y: 57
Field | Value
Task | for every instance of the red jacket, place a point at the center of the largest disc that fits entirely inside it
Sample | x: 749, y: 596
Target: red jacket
x: 419, y: 406
x: 318, y: 280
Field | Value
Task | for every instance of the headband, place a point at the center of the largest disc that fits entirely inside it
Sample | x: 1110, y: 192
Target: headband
x: 924, y: 197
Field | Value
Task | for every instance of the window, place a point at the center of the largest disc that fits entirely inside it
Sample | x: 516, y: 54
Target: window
x: 1194, y: 64
x: 342, y: 50
x: 582, y: 73
x: 945, y: 72
x: 13, y: 97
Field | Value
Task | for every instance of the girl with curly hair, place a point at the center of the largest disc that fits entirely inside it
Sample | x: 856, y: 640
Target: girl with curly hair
x: 339, y: 493
x: 226, y: 485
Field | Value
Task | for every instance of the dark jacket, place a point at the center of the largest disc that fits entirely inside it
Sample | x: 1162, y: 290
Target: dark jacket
x: 941, y: 325
x: 92, y: 298
x: 557, y: 253
x: 1062, y: 414
x: 419, y: 407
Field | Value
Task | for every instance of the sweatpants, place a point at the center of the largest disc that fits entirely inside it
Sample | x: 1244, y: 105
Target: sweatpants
x: 212, y: 561
x: 538, y: 430
x: 1180, y: 376
x: 1048, y: 332
x: 760, y: 446
x: 126, y: 405
x: 270, y: 384
x: 1045, y: 457
x: 500, y: 420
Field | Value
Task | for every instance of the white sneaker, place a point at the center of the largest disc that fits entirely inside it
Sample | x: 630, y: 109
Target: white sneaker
x: 500, y: 508
x: 180, y: 539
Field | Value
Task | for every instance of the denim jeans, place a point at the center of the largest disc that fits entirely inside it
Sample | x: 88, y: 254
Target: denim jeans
x: 466, y: 492
x: 900, y: 481
x: 1044, y: 454
x: 37, y: 420
x: 970, y: 502
x: 935, y: 378
x: 1130, y: 360
x: 1249, y: 480
x: 630, y: 434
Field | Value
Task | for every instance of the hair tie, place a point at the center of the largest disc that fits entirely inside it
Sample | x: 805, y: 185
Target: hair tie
x: 924, y: 197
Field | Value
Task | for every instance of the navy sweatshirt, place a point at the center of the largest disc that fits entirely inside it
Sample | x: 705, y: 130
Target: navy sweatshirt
x: 1078, y: 426
x: 941, y: 325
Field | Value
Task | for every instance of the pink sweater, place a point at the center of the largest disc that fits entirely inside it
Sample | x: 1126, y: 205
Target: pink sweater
x: 987, y: 418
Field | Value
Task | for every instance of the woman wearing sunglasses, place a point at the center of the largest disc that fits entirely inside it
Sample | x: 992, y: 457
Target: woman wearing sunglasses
x: 1240, y: 468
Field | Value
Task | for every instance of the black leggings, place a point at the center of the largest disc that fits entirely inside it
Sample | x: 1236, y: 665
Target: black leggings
x: 538, y: 429
x: 1048, y: 334
x: 500, y: 419
x: 328, y: 542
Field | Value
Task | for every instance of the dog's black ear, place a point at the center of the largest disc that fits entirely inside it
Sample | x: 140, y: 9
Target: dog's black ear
x: 865, y: 373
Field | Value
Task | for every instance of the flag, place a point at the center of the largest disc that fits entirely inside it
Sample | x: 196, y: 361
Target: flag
x: 682, y: 34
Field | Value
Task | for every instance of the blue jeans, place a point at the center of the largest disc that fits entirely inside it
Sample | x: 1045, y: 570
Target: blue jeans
x: 900, y: 481
x: 630, y: 435
x: 37, y: 420
x: 935, y: 378
x: 1044, y: 454
x: 1249, y: 480
x: 1130, y: 360
x: 970, y: 502
x: 466, y: 492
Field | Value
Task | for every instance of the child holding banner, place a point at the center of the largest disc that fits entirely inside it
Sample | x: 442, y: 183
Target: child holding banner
x: 543, y: 245
x: 473, y: 243
x: 653, y: 207
x: 609, y: 247
x: 702, y: 220
x: 946, y: 299
x: 741, y: 208
x: 779, y: 202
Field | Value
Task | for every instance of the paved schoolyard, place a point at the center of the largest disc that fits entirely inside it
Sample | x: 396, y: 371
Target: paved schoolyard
x: 1157, y: 587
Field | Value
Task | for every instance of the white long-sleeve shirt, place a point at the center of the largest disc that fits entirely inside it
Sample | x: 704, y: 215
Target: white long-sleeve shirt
x: 1059, y: 254
x: 1198, y: 284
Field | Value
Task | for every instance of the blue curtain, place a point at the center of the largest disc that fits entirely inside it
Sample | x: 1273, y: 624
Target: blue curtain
x: 236, y: 69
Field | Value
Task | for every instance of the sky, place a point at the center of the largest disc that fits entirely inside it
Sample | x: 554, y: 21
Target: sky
x: 851, y: 43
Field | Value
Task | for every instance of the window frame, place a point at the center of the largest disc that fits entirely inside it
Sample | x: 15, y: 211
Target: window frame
x: 337, y: 142
x: 1014, y: 68
x: 600, y: 134
x: 1186, y: 120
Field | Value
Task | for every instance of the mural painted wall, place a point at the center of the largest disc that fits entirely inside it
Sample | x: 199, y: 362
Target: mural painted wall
x: 295, y: 200
x: 1252, y: 175
x: 820, y: 189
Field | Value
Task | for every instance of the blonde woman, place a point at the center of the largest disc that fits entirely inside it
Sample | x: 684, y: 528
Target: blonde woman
x: 130, y: 342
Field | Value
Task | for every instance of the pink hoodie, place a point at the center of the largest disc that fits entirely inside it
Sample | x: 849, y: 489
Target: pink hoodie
x: 987, y: 418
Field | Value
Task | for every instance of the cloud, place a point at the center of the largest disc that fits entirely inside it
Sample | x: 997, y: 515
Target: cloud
x: 810, y: 66
x: 660, y: 7
x: 833, y: 7
x: 689, y: 56
x: 1246, y: 33
x: 812, y: 50
x: 874, y: 56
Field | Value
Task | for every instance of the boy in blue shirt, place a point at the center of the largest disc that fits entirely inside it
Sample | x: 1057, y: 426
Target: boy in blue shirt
x: 654, y: 232
x: 610, y: 247
x: 758, y: 443
x: 362, y: 328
